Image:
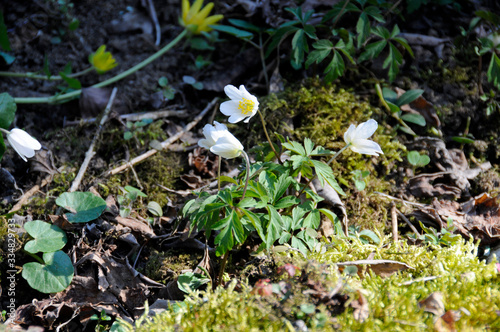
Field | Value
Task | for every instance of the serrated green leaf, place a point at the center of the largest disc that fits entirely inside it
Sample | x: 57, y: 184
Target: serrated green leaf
x: 295, y: 147
x: 7, y: 110
x: 53, y: 276
x: 84, y: 206
x: 286, y: 202
x: 372, y: 50
x: 325, y: 173
x: 46, y: 237
x: 312, y: 220
x: 494, y: 71
x: 280, y: 186
x: 73, y: 83
x: 330, y: 215
x: 362, y: 28
x: 273, y: 231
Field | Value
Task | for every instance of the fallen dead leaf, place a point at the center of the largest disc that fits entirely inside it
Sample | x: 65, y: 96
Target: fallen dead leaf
x: 433, y: 304
x: 361, y: 308
x: 381, y: 267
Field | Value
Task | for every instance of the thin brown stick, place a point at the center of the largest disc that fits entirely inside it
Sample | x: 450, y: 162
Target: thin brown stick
x: 409, y: 224
x: 136, y: 116
x: 27, y: 195
x: 165, y: 143
x: 90, y: 152
x: 394, y: 218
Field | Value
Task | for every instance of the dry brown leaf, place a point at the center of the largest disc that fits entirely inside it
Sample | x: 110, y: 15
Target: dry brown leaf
x: 136, y: 226
x: 381, y: 267
x: 433, y: 304
x: 361, y: 308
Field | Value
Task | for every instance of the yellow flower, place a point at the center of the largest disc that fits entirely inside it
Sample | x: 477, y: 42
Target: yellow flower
x: 195, y: 19
x: 102, y: 61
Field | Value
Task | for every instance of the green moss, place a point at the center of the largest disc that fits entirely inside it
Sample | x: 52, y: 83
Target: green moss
x: 166, y: 266
x: 466, y: 283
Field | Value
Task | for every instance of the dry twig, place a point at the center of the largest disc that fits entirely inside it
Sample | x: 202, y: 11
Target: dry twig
x: 135, y: 117
x: 165, y: 143
x: 90, y: 152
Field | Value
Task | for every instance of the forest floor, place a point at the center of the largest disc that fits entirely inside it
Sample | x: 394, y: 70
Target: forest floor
x: 423, y: 235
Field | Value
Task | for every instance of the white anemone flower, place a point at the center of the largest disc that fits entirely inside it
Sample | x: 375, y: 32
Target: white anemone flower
x: 357, y: 138
x: 23, y: 143
x: 242, y: 105
x: 212, y: 134
x: 220, y: 141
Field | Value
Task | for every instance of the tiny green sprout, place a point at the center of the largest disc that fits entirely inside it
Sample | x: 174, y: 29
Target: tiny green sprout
x: 125, y: 201
x: 168, y: 91
x: 134, y: 128
x: 359, y: 179
x: 192, y: 81
x: 418, y: 160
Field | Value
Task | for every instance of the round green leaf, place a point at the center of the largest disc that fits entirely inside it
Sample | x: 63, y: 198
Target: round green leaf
x: 155, y: 209
x: 47, y: 237
x: 53, y: 276
x: 416, y: 159
x: 84, y: 206
x: 7, y: 110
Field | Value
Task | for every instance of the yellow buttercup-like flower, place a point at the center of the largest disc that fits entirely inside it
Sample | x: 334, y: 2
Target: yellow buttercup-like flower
x: 102, y: 61
x: 196, y: 19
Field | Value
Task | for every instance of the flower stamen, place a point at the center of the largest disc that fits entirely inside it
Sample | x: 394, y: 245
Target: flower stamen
x: 246, y: 106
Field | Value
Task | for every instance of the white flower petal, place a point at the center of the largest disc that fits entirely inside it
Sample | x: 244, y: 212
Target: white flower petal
x: 365, y: 146
x: 235, y: 118
x: 26, y: 139
x: 232, y: 92
x: 227, y: 146
x: 230, y: 107
x: 348, y: 135
x: 23, y: 143
x: 366, y: 129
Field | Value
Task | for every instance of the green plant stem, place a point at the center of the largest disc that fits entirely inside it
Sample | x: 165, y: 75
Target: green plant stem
x: 34, y: 256
x: 247, y: 160
x: 263, y: 60
x: 267, y: 136
x: 5, y: 131
x: 219, y: 162
x: 328, y: 163
x: 222, y: 268
x: 44, y: 77
x: 70, y: 95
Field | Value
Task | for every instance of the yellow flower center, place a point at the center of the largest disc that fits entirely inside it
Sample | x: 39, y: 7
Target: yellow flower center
x: 246, y: 106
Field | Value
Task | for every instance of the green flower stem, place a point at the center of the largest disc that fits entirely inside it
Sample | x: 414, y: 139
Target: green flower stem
x: 5, y: 131
x: 247, y: 160
x: 328, y: 163
x: 67, y: 96
x: 267, y: 136
x: 222, y: 268
x: 219, y: 162
x: 44, y: 77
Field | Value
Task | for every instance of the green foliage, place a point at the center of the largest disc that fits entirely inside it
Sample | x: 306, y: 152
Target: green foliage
x: 391, y: 101
x: 190, y: 281
x: 445, y: 237
x: 418, y: 160
x: 7, y: 110
x: 271, y: 206
x: 136, y: 129
x: 336, y: 67
x: 52, y: 276
x: 388, y: 39
x: 494, y: 71
x: 358, y: 177
x: 127, y: 199
x: 84, y: 206
x: 392, y: 301
x: 46, y: 237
